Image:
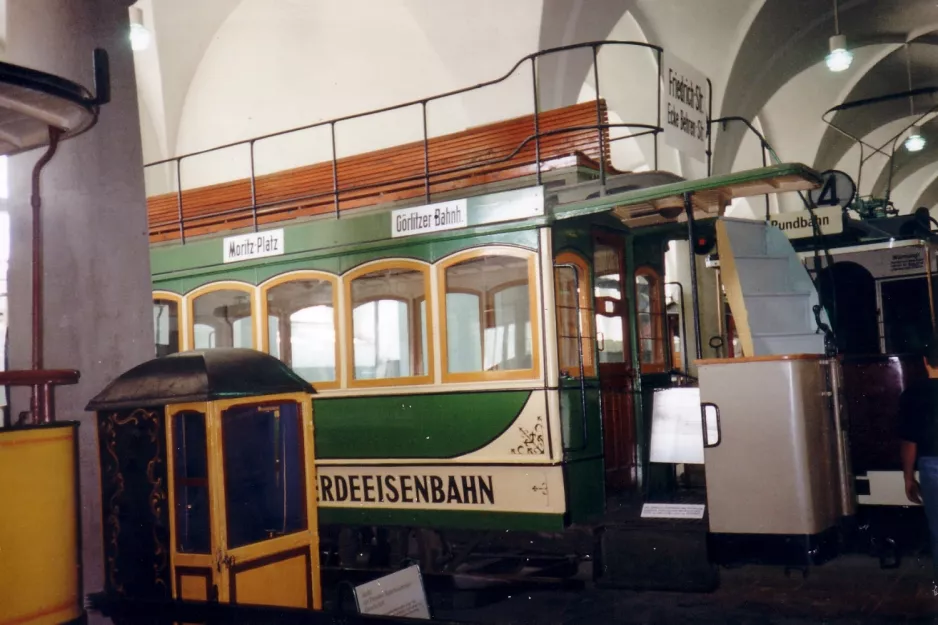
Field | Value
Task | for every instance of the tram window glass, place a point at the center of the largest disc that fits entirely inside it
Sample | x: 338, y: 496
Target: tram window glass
x: 265, y: 478
x: 190, y: 478
x: 607, y: 289
x: 906, y: 314
x: 166, y: 326
x: 650, y: 330
x: 488, y: 315
x: 301, y: 326
x: 573, y: 315
x: 464, y: 344
x: 223, y: 319
x: 388, y: 329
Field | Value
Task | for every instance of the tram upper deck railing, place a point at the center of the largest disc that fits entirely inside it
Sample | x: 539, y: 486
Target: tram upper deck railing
x: 522, y: 146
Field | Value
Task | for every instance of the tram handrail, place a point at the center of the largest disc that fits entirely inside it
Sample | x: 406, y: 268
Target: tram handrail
x: 427, y: 175
x: 579, y: 346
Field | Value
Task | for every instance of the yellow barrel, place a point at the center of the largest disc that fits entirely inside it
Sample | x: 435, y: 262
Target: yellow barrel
x: 39, y: 559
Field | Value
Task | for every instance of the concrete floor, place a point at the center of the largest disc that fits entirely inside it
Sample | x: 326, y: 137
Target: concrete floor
x: 850, y: 589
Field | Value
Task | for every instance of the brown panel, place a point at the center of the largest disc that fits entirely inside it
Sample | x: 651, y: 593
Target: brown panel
x: 616, y: 378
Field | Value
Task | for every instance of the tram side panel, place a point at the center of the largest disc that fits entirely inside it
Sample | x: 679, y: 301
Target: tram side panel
x: 466, y: 460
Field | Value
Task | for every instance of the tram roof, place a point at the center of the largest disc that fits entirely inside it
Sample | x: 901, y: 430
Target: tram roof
x: 710, y: 195
x: 199, y: 376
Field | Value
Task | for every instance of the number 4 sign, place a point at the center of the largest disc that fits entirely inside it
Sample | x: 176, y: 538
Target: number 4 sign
x: 837, y: 189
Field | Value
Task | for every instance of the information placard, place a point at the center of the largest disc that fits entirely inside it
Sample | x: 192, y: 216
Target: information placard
x: 677, y: 427
x: 685, y: 106
x: 673, y: 510
x: 397, y: 594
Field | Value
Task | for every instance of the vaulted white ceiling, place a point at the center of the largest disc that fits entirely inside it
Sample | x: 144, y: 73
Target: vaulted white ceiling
x: 221, y: 71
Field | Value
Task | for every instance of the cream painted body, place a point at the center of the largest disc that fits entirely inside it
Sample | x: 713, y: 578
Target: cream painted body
x: 776, y: 467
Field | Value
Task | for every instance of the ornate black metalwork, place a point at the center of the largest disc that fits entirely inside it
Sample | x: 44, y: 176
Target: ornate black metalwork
x: 134, y: 502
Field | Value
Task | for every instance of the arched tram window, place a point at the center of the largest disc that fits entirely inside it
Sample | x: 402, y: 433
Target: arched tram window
x: 650, y: 317
x: 302, y: 325
x: 222, y: 318
x: 166, y: 325
x: 389, y: 324
x: 490, y: 324
x: 573, y: 295
x: 607, y: 267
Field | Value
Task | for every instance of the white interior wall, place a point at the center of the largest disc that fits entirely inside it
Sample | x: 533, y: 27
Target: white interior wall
x: 257, y: 77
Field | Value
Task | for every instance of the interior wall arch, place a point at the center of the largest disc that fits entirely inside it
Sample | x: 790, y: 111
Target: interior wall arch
x: 564, y: 22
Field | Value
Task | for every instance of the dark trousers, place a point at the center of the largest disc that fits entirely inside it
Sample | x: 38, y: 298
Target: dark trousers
x: 928, y: 479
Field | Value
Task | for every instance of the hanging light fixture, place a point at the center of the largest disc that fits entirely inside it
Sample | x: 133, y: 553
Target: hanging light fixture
x: 139, y: 35
x: 915, y: 142
x: 839, y: 57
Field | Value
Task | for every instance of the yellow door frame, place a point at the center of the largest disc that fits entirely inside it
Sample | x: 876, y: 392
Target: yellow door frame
x: 227, y: 558
x: 192, y: 561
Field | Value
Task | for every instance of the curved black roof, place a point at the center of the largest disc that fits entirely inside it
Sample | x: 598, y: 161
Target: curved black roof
x: 197, y: 376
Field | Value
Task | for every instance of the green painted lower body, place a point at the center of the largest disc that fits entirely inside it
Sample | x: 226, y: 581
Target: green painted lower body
x: 439, y: 519
x: 438, y: 425
x: 585, y: 486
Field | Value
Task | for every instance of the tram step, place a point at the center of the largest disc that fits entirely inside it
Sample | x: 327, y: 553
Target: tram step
x: 656, y: 555
x: 789, y: 343
x: 764, y: 274
x: 780, y: 313
x: 748, y: 238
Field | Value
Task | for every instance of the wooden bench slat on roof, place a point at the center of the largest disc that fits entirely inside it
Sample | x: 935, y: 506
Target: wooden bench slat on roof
x: 456, y: 161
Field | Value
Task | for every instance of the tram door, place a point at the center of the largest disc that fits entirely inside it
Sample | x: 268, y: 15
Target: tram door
x: 616, y: 373
x: 245, y: 530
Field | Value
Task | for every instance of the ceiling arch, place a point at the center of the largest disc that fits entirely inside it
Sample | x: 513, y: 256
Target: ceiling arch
x: 929, y: 195
x: 890, y: 75
x: 905, y: 163
x: 789, y: 36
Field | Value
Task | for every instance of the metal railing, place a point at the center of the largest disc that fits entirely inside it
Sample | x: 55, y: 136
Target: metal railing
x: 257, y: 209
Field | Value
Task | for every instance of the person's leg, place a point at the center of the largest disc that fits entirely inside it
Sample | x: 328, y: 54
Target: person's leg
x: 928, y: 479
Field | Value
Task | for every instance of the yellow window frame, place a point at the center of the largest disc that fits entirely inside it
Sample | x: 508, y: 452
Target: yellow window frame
x: 225, y: 285
x: 532, y: 373
x: 180, y: 302
x: 349, y: 352
x: 298, y: 276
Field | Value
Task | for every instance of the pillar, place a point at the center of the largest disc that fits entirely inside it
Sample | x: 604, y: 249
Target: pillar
x: 98, y: 315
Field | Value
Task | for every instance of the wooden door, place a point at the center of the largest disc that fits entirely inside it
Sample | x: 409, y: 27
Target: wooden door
x: 266, y: 506
x: 616, y: 371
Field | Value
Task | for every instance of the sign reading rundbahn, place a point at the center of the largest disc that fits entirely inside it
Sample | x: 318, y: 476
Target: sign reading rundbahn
x: 798, y: 225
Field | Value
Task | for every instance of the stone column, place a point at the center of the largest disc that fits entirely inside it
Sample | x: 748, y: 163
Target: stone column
x: 98, y: 315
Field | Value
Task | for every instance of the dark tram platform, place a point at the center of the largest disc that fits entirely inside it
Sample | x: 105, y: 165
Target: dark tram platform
x: 850, y: 589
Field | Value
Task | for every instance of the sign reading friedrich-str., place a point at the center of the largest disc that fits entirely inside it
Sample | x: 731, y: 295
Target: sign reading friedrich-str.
x: 685, y: 107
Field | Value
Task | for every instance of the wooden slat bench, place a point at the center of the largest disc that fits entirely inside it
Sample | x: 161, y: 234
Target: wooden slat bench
x: 476, y: 156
